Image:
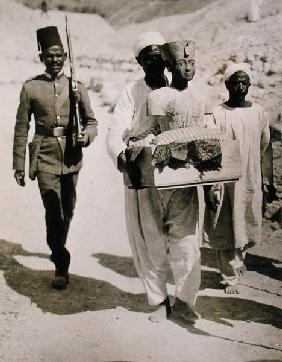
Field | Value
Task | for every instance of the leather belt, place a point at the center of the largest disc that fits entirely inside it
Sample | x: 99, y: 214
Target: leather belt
x: 51, y: 132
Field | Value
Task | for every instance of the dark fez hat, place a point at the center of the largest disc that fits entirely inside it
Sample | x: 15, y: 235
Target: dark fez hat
x: 47, y: 37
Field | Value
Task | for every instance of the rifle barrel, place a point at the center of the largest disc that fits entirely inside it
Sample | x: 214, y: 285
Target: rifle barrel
x: 73, y: 81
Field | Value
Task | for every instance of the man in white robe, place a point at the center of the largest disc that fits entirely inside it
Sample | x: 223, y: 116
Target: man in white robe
x: 236, y: 225
x: 142, y: 207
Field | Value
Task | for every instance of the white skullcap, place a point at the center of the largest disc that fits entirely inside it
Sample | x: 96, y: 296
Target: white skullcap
x: 236, y: 67
x: 146, y: 39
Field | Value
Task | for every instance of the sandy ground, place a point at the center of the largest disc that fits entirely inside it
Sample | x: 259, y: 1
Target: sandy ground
x: 102, y: 316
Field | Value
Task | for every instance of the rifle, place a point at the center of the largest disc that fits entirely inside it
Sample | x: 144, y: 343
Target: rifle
x: 74, y: 86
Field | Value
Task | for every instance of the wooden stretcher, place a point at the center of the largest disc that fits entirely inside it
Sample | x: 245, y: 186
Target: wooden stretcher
x: 148, y: 176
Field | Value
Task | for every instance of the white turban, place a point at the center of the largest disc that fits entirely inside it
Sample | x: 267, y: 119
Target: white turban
x: 146, y: 39
x: 236, y: 67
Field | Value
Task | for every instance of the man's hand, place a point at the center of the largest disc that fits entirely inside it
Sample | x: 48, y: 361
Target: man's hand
x: 83, y: 141
x: 121, y: 162
x: 213, y: 196
x: 19, y: 176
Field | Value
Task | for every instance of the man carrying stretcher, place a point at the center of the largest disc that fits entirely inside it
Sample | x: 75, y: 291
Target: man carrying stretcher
x: 173, y: 235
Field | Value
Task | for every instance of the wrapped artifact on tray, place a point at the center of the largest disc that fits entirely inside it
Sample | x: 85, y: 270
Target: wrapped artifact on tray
x: 182, y: 157
x: 181, y: 146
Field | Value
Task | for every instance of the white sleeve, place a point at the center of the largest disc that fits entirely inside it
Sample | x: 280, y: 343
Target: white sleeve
x: 119, y: 123
x: 155, y: 103
x: 265, y: 131
x: 266, y: 150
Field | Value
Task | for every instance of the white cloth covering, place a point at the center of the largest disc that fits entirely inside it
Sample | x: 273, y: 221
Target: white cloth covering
x: 190, y: 104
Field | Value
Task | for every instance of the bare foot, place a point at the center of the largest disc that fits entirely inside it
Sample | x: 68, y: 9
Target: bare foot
x: 184, y: 312
x: 161, y: 314
x: 232, y: 289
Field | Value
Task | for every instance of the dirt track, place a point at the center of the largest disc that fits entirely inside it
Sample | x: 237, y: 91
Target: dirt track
x: 102, y: 315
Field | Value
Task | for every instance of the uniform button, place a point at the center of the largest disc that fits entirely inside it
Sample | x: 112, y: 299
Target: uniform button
x: 56, y: 95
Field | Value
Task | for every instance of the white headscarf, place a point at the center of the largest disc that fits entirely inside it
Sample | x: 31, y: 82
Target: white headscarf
x: 146, y: 39
x: 236, y: 67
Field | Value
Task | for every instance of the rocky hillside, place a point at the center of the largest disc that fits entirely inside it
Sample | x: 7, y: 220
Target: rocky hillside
x: 124, y: 11
x: 18, y: 24
x: 220, y: 29
x: 222, y: 34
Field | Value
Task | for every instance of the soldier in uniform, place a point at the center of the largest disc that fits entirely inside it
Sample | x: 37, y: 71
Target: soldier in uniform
x: 55, y: 153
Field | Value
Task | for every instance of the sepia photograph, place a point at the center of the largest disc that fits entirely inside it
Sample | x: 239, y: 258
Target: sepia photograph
x: 141, y: 181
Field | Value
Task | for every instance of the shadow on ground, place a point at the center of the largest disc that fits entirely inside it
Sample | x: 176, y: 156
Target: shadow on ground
x: 88, y: 294
x: 84, y: 294
x: 124, y: 265
x: 217, y: 309
x: 260, y: 264
x: 265, y: 266
x: 223, y: 309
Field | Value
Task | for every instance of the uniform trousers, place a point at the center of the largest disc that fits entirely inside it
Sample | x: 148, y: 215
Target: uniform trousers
x: 163, y: 228
x: 58, y: 193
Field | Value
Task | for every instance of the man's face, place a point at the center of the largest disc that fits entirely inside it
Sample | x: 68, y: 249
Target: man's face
x: 183, y: 70
x: 53, y: 58
x: 238, y: 85
x: 151, y: 60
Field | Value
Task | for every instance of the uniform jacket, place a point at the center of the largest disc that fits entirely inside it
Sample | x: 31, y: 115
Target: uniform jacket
x: 50, y: 103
